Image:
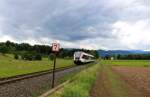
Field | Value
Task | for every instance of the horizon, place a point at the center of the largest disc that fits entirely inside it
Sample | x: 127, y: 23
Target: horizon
x: 79, y: 48
x: 97, y: 24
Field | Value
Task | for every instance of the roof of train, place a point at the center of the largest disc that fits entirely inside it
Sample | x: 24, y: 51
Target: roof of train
x: 84, y: 53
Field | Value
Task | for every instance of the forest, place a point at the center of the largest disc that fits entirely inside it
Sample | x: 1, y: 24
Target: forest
x: 36, y: 52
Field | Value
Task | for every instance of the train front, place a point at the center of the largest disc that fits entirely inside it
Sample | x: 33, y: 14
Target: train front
x: 77, y: 58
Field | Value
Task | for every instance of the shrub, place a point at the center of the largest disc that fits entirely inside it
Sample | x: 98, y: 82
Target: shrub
x: 30, y: 56
x: 37, y: 57
x: 4, y: 49
x: 16, y: 56
x: 27, y: 56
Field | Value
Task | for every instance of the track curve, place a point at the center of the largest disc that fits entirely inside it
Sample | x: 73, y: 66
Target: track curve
x: 34, y: 86
x: 31, y: 75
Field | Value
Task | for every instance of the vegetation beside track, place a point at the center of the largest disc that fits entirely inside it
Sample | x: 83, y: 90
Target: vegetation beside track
x: 11, y: 67
x: 81, y: 85
x: 67, y: 77
x: 138, y: 63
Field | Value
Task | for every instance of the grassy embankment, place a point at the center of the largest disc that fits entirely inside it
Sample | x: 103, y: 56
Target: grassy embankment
x: 81, y: 85
x: 138, y: 63
x: 11, y: 67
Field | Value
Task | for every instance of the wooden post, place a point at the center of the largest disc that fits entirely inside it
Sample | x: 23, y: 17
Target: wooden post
x: 53, y: 79
x: 55, y: 50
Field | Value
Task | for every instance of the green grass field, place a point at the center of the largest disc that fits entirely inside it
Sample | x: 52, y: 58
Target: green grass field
x: 81, y: 84
x: 115, y: 86
x: 11, y: 67
x: 138, y: 63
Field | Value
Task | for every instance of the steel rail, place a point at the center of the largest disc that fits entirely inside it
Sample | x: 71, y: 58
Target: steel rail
x: 31, y: 75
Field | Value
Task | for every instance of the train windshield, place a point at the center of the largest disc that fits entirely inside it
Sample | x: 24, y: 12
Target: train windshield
x: 77, y: 54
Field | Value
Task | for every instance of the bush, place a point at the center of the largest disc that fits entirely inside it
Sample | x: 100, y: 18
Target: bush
x: 30, y: 56
x: 37, y: 57
x: 27, y: 56
x: 16, y: 56
x: 4, y: 49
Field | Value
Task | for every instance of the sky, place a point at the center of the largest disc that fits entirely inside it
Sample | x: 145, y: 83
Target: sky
x: 89, y: 24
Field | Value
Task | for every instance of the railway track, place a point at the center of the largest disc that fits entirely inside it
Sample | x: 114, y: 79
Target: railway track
x: 35, y: 84
x: 31, y: 75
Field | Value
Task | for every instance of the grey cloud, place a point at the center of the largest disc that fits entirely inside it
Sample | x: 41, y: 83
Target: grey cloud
x: 58, y: 19
x: 67, y: 20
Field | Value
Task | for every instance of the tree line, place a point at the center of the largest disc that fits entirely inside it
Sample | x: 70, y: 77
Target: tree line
x: 36, y: 52
x: 134, y: 57
x: 129, y: 57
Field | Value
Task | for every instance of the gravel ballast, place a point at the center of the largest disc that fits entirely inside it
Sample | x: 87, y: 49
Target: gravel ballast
x: 33, y: 87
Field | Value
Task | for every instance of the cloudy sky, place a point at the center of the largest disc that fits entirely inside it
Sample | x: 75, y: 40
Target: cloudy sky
x: 91, y: 24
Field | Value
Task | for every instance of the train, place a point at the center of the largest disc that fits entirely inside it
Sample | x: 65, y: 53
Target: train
x: 81, y: 57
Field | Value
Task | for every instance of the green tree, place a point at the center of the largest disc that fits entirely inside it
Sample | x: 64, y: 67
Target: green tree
x: 16, y: 56
x: 4, y: 49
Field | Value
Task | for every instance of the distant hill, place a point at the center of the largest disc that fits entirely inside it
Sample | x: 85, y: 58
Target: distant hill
x: 103, y: 53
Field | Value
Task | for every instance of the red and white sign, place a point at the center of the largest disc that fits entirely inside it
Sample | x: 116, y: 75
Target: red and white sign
x: 55, y: 47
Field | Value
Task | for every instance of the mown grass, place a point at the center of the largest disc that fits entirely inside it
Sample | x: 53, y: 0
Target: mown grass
x: 11, y: 67
x: 81, y: 85
x: 138, y: 63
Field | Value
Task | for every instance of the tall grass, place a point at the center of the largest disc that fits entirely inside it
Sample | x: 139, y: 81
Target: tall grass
x: 132, y: 63
x: 82, y: 84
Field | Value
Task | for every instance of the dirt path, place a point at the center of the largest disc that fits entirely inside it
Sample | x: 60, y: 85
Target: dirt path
x: 138, y: 79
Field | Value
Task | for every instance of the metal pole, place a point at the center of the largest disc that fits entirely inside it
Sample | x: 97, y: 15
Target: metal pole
x: 53, y: 80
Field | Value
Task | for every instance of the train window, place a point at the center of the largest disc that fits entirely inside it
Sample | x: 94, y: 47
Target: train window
x: 85, y: 57
x: 77, y: 54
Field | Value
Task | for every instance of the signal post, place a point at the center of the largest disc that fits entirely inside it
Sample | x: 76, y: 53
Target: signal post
x: 55, y: 50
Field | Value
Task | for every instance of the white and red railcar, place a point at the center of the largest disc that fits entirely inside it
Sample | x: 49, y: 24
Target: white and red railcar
x: 82, y: 58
